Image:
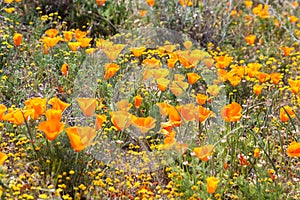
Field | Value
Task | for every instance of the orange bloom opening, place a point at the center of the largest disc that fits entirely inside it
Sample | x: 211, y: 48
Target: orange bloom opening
x: 201, y: 99
x: 121, y: 119
x: 52, y: 128
x: 2, y: 111
x: 257, y: 89
x: 294, y: 149
x: 193, y: 78
x: 3, y: 157
x: 162, y: 84
x: 150, y: 2
x: 204, y: 153
x: 138, y: 101
x: 64, y: 69
x: 138, y: 51
x: 286, y: 113
x: 51, y: 32
x: 38, y: 104
x: 188, y: 111
x: 87, y: 106
x: 110, y: 70
x: 144, y: 124
x: 52, y: 114
x: 231, y: 112
x: 57, y: 104
x: 250, y: 39
x: 100, y: 119
x: 17, y: 39
x: 174, y: 116
x: 101, y: 2
x: 81, y: 137
x: 204, y: 114
x: 212, y: 184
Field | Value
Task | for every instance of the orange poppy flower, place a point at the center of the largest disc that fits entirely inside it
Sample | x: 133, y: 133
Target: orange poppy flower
x: 51, y: 42
x: 250, y: 39
x: 113, y: 51
x: 174, y: 116
x: 162, y: 84
x: 52, y: 128
x: 100, y: 119
x: 38, y: 104
x: 286, y: 113
x: 52, y: 114
x: 169, y: 140
x: 223, y: 61
x: 257, y: 89
x: 17, y: 39
x: 64, y: 69
x: 253, y: 68
x: 294, y: 85
x: 85, y: 42
x: 171, y: 62
x: 74, y: 46
x: 204, y: 153
x: 3, y: 157
x: 87, y: 106
x: 138, y: 101
x: 201, y: 99
x: 123, y: 105
x: 152, y: 63
x: 143, y: 13
x: 261, y: 11
x: 233, y: 79
x: 293, y: 149
x: 51, y: 32
x: 293, y: 19
x: 150, y: 2
x: 275, y: 77
x: 178, y: 87
x: 256, y: 153
x: 120, y: 119
x: 187, y: 59
x: 101, y: 2
x: 137, y: 51
x: 193, y: 78
x: 188, y: 111
x: 212, y: 184
x: 144, y: 124
x: 110, y: 70
x: 231, y: 112
x: 81, y: 137
x: 68, y: 35
x: 163, y: 108
x: 80, y: 34
x: 248, y: 4
x: 262, y: 77
x: 204, y: 114
x: 57, y: 104
x: 238, y: 70
x: 287, y: 50
x: 3, y: 109
x: 28, y: 113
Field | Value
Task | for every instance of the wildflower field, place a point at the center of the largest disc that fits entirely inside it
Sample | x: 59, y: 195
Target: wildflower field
x: 149, y: 99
